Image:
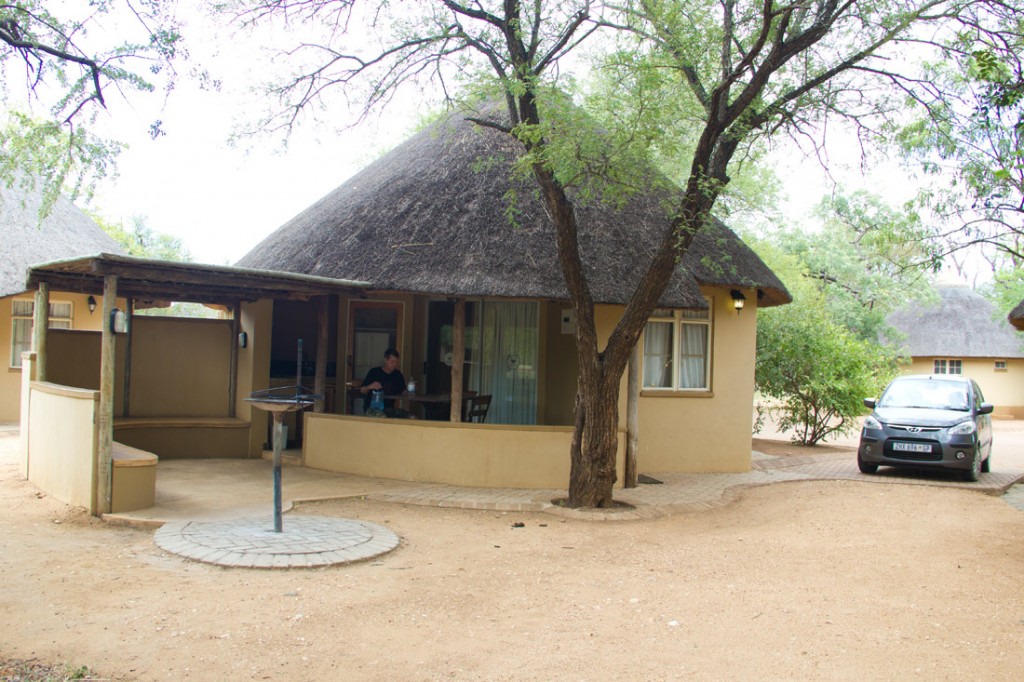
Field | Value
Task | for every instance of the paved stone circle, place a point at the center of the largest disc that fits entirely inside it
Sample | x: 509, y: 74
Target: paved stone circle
x: 304, y: 541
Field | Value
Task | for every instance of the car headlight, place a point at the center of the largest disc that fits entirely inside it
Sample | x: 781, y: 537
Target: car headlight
x: 963, y: 429
x: 871, y: 423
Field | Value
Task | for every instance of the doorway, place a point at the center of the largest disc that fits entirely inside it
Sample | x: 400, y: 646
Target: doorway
x: 374, y: 327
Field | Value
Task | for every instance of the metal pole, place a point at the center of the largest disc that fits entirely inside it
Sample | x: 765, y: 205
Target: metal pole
x: 278, y: 437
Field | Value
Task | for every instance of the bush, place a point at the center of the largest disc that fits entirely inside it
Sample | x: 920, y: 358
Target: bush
x: 818, y: 370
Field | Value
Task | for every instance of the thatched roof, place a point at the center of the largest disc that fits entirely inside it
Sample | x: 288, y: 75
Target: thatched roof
x: 66, y: 232
x: 1016, y: 316
x: 963, y: 324
x: 431, y: 217
x: 147, y: 279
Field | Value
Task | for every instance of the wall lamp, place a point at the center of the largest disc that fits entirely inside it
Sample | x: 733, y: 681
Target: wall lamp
x: 118, y: 321
x: 91, y: 302
x: 738, y: 300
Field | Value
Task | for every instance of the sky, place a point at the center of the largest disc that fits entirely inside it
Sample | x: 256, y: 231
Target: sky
x: 222, y: 199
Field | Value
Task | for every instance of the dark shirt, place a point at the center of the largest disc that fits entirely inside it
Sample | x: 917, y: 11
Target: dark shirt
x: 393, y: 384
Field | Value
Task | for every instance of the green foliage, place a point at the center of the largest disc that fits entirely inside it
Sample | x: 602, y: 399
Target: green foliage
x: 970, y: 143
x: 815, y: 371
x: 140, y: 240
x: 865, y: 261
x: 58, y: 63
x: 1006, y: 290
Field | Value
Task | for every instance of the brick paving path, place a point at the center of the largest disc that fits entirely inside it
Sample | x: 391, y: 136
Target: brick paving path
x: 304, y: 541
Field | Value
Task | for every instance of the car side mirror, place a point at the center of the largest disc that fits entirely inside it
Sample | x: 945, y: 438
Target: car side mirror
x: 869, y: 402
x: 986, y: 408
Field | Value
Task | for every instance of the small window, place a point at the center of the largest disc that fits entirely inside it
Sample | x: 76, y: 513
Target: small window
x: 1000, y: 365
x: 22, y: 313
x: 944, y: 366
x: 677, y: 350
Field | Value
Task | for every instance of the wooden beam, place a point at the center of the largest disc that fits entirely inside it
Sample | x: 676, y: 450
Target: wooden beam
x: 458, y: 357
x: 320, y: 378
x: 40, y: 325
x: 236, y: 312
x: 105, y: 418
x: 632, y: 419
x: 129, y: 314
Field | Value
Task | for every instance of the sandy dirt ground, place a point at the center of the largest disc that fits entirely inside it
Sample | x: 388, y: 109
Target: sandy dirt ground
x: 809, y: 580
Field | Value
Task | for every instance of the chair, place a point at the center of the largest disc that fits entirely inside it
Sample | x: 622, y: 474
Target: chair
x: 476, y: 411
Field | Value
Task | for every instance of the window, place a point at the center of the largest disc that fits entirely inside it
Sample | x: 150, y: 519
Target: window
x: 1000, y: 365
x: 21, y: 324
x: 943, y: 366
x: 677, y: 351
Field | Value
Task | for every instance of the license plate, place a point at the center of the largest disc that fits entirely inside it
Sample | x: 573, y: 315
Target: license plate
x: 911, y: 447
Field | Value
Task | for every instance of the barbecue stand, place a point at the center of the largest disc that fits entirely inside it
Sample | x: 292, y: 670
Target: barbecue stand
x: 278, y: 401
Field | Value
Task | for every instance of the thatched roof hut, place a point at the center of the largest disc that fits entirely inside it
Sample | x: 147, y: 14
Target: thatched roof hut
x: 66, y: 232
x: 431, y: 217
x: 963, y: 324
x: 1016, y: 316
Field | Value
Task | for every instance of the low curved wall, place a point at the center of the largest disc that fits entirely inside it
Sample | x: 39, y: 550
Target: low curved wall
x: 62, y: 442
x: 474, y: 455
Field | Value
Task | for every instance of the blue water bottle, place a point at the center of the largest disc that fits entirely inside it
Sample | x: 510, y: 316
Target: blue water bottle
x: 377, y: 400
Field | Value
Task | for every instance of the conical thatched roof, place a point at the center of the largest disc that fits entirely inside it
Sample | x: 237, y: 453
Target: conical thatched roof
x: 66, y: 232
x: 431, y: 217
x: 1017, y: 316
x: 963, y: 324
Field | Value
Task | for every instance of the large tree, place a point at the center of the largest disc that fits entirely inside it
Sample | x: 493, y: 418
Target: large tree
x: 750, y: 69
x: 59, y: 65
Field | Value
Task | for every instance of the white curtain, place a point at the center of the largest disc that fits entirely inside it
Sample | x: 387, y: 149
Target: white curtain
x: 658, y: 355
x: 506, y: 364
x: 693, y: 353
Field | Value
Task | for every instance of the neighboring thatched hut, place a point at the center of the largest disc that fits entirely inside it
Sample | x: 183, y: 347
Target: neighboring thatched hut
x: 65, y: 233
x: 963, y: 334
x: 441, y: 220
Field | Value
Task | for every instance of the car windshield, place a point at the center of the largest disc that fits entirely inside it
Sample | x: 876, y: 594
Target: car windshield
x: 925, y: 394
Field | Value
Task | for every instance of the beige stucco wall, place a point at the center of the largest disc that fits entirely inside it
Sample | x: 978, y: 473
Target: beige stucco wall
x: 10, y: 378
x: 679, y: 432
x: 180, y: 367
x: 256, y: 321
x: 477, y: 455
x: 705, y: 431
x: 1002, y: 388
x: 62, y: 442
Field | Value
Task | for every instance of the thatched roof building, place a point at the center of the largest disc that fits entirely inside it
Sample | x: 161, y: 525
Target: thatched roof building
x: 66, y: 232
x: 963, y: 324
x: 1016, y: 316
x: 431, y: 217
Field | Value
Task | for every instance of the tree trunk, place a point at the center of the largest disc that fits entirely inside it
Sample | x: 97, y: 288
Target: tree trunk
x: 592, y: 473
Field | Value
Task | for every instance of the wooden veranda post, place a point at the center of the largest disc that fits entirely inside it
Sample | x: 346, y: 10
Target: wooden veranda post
x: 236, y: 313
x: 458, y: 357
x: 320, y: 379
x: 40, y: 324
x: 632, y: 419
x: 105, y: 418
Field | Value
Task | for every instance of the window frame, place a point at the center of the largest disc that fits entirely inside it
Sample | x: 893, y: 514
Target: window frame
x: 55, y: 321
x: 948, y: 366
x: 678, y: 319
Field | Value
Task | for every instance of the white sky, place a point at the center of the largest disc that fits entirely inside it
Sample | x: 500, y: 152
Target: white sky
x: 222, y: 200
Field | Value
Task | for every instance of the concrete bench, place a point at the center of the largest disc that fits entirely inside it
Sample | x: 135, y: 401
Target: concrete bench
x: 133, y: 478
x: 185, y: 437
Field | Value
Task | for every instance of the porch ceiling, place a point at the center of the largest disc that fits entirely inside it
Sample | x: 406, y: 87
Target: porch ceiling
x: 192, y: 282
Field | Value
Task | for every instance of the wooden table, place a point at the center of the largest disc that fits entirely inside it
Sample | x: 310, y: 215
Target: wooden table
x: 436, y: 406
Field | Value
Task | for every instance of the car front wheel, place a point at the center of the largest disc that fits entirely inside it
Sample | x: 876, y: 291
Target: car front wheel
x: 986, y: 466
x: 971, y: 475
x: 866, y: 467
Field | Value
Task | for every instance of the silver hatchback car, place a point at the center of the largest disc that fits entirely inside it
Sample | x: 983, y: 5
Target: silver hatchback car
x: 933, y: 421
